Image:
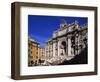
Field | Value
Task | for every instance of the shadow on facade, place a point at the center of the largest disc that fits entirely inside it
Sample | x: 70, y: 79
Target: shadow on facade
x: 78, y: 59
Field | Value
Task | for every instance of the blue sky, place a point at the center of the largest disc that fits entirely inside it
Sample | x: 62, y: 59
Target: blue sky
x: 40, y: 28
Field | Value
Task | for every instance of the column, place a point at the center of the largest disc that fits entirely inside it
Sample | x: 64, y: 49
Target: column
x: 54, y: 48
x: 69, y: 46
x: 58, y: 47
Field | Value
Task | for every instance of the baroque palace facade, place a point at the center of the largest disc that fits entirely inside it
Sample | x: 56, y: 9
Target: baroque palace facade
x: 66, y: 42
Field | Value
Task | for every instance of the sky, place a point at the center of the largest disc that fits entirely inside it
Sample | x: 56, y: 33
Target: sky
x: 41, y: 28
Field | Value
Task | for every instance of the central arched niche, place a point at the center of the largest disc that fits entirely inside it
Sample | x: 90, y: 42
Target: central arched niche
x: 63, y: 43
